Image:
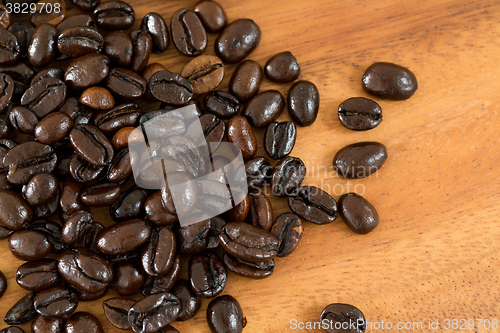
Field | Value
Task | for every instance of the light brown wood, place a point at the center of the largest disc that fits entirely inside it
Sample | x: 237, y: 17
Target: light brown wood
x: 434, y: 255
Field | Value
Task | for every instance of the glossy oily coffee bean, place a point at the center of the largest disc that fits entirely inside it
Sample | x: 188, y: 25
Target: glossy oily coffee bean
x: 53, y: 128
x: 148, y: 73
x: 188, y: 34
x: 264, y: 108
x: 29, y: 245
x: 82, y: 171
x: 87, y: 297
x: 48, y: 209
x: 142, y: 46
x: 79, y: 20
x: 126, y: 84
x: 282, y: 68
x: 207, y: 274
x: 158, y: 254
x: 87, y: 71
x: 258, y: 171
x: 90, y: 239
x: 358, y: 213
x: 116, y: 311
x: 120, y: 168
x: 156, y: 212
x: 41, y: 189
x: 20, y: 73
x: 120, y: 138
x: 57, y: 302
x: 77, y: 226
x: 114, y: 15
x: 123, y: 115
x: 15, y: 211
x: 9, y: 49
x: 389, y: 81
x: 313, y: 204
x: 288, y: 229
x: 246, y: 79
x: 5, y: 232
x: 260, y: 211
x: 86, y: 270
x: 22, y: 311
x: 5, y: 146
x: 79, y: 41
x: 303, y: 102
x: 43, y: 324
x: 101, y: 195
x: 246, y: 242
x: 162, y: 283
x: 97, y: 98
x: 118, y: 47
x: 51, y: 230
x: 129, y: 205
x: 240, y: 133
x: 255, y: 270
x: 360, y: 114
x: 190, y: 301
x: 343, y: 318
x: 360, y: 160
x: 22, y: 30
x: 83, y: 322
x: 54, y: 72
x: 92, y: 145
x: 86, y: 5
x: 171, y: 88
x: 153, y: 312
x: 224, y: 314
x: 123, y: 237
x: 239, y: 212
x: 155, y: 26
x: 237, y: 41
x: 288, y: 174
x: 212, y: 15
x: 42, y: 46
x: 204, y: 72
x: 38, y: 275
x: 221, y: 104
x: 3, y: 284
x: 52, y: 12
x: 194, y: 238
x: 128, y: 279
x: 6, y: 91
x: 45, y: 96
x: 279, y: 139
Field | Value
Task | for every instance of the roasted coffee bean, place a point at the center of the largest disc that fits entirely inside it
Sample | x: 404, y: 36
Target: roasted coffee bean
x: 222, y: 169
x: 120, y: 168
x: 22, y: 311
x: 207, y: 274
x: 116, y: 311
x: 22, y: 30
x: 313, y: 204
x: 264, y: 108
x: 41, y: 189
x: 303, y: 102
x: 163, y: 283
x: 42, y: 324
x: 92, y: 145
x: 249, y: 243
x: 71, y: 197
x: 128, y: 280
x: 222, y: 104
x: 20, y: 73
x: 158, y: 253
x: 87, y: 71
x: 38, y: 275
x: 258, y: 171
x: 6, y: 91
x: 79, y: 20
x: 279, y: 139
x: 3, y: 284
x: 194, y: 238
x: 86, y: 5
x: 156, y: 213
x: 114, y: 15
x: 129, y: 205
x: 90, y: 239
x: 360, y: 160
x: 4, y: 17
x: 42, y: 46
x: 360, y: 114
x: 237, y: 41
x: 389, y: 81
x: 29, y: 245
x: 214, y: 130
x: 5, y: 146
x: 98, y: 98
x: 5, y: 125
x: 343, y: 318
x: 153, y: 312
x: 224, y: 314
x: 83, y: 322
x: 101, y: 195
x: 82, y: 171
x: 142, y: 46
x: 240, y: 133
x: 27, y: 159
x: 123, y: 237
x: 9, y: 50
x: 358, y: 213
x: 51, y: 230
x: 15, y: 211
x: 118, y: 47
x: 12, y: 329
x: 120, y: 138
x: 190, y: 301
x: 57, y: 302
x: 122, y: 115
x: 156, y: 27
x: 204, y: 72
x: 188, y: 34
x: 260, y: 212
x: 212, y: 15
x: 288, y: 229
x: 126, y: 84
x: 54, y: 72
x: 45, y: 96
x: 171, y: 88
x: 246, y: 79
x: 5, y: 232
x: 147, y: 74
x: 77, y: 226
x: 213, y: 197
x: 239, y: 212
x: 287, y: 176
x: 48, y: 209
x: 51, y: 11
x: 256, y: 270
x: 282, y: 68
x: 79, y: 41
x: 185, y: 151
x: 53, y: 128
x: 86, y: 270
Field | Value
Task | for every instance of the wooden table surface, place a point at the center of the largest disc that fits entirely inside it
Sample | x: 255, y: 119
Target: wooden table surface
x: 435, y: 254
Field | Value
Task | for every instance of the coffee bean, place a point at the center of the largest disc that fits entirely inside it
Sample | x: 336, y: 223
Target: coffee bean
x: 77, y: 226
x: 48, y: 209
x: 87, y: 71
x: 9, y: 50
x: 264, y: 108
x: 211, y: 14
x: 4, y: 17
x: 256, y: 270
x: 22, y: 311
x: 147, y: 74
x: 120, y: 138
x: 162, y: 283
x: 6, y: 91
x: 213, y: 197
x: 41, y: 189
x: 313, y: 204
x: 240, y: 133
x: 29, y: 245
x: 124, y: 237
x: 118, y: 47
x: 4, y: 185
x: 349, y: 318
x: 92, y: 145
x: 83, y: 322
x: 54, y: 72
x: 86, y: 5
x: 38, y: 275
x: 22, y: 30
x: 5, y: 125
x: 79, y: 41
x: 224, y: 314
x: 303, y: 102
x: 205, y: 73
x: 3, y: 284
x: 90, y: 239
x: 128, y: 279
x: 153, y: 312
x: 189, y: 196
x: 360, y: 114
x: 246, y: 79
x: 120, y: 168
x: 190, y: 301
x: 237, y: 41
x: 122, y: 115
x: 360, y: 160
x: 79, y: 20
x: 260, y: 211
x: 42, y: 46
x: 57, y: 302
x: 15, y: 211
x: 188, y: 34
x: 126, y: 84
x: 129, y: 205
x: 52, y: 12
x: 114, y: 15
x: 142, y: 46
x: 87, y: 297
x: 53, y: 128
x: 221, y: 104
x: 359, y: 214
x: 258, y: 171
x: 20, y: 73
x: 282, y: 68
x: 45, y: 96
x: 98, y: 98
x: 116, y: 311
x: 156, y: 27
x: 279, y: 139
x: 194, y: 238
x: 389, y: 81
x: 158, y: 253
x: 5, y: 146
x: 214, y: 130
x: 249, y: 243
x: 288, y: 229
x: 287, y: 176
x: 171, y: 88
x: 52, y: 231
x: 207, y: 274
x: 42, y: 324
x: 240, y: 211
x: 82, y: 171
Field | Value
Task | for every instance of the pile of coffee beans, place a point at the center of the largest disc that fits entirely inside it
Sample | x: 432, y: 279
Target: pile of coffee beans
x: 64, y: 135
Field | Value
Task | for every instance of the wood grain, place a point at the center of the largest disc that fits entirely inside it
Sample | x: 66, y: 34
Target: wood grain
x: 435, y: 253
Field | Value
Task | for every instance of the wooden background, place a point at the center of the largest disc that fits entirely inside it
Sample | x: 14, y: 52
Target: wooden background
x: 435, y: 254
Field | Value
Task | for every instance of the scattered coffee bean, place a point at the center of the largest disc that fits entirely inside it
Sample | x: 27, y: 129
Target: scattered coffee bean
x: 45, y: 96
x: 86, y: 5
x: 98, y: 98
x: 114, y: 15
x: 57, y: 302
x: 256, y: 270
x: 390, y: 81
x: 83, y: 322
x: 258, y: 171
x: 188, y: 34
x: 124, y: 237
x: 360, y: 114
x: 279, y: 139
x: 10, y: 50
x: 204, y: 72
x: 92, y: 145
x: 155, y: 26
x: 53, y: 128
x: 287, y: 176
x: 116, y: 311
x: 126, y: 84
x: 282, y: 68
x: 38, y: 275
x: 43, y: 45
x: 171, y: 88
x: 190, y: 301
x: 360, y: 160
x: 153, y: 312
x: 343, y: 315
x: 260, y: 212
x: 79, y: 41
x: 359, y: 214
x: 15, y: 211
x: 142, y: 46
x: 211, y: 14
x: 42, y: 324
x: 303, y: 102
x: 224, y: 314
x: 237, y: 41
x: 240, y: 133
x: 221, y: 104
x: 313, y: 204
x: 288, y: 229
x: 264, y: 108
x: 118, y: 47
x: 246, y: 79
x: 22, y: 311
x: 207, y: 274
x: 128, y: 279
x: 87, y: 71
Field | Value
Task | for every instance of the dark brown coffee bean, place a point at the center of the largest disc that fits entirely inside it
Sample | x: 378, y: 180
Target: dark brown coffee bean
x: 51, y: 230
x: 77, y: 226
x: 120, y: 138
x: 122, y: 115
x: 29, y: 245
x: 359, y: 214
x: 41, y: 189
x: 92, y: 145
x: 360, y: 114
x: 52, y: 12
x: 120, y: 168
x: 98, y: 98
x: 360, y: 160
x: 287, y: 176
x: 237, y: 41
x: 282, y: 68
x: 79, y: 41
x: 15, y: 211
x: 147, y: 74
x: 389, y: 81
x: 124, y: 237
x: 313, y: 204
x: 53, y: 128
x: 240, y: 133
x: 156, y: 213
x: 214, y: 130
x: 194, y: 238
x: 129, y: 205
x: 158, y: 253
x: 303, y: 102
x: 43, y: 45
x: 54, y: 72
x: 6, y: 91
x: 118, y: 47
x: 188, y: 34
x: 207, y: 274
x: 264, y: 108
x: 222, y: 104
x: 116, y: 311
x: 239, y: 212
x: 163, y: 283
x: 258, y: 171
x: 90, y: 239
x: 22, y: 30
x: 5, y: 232
x: 79, y: 20
x: 82, y: 171
x: 22, y: 311
x: 3, y: 284
x: 114, y: 15
x: 279, y: 139
x: 142, y: 46
x: 9, y: 49
x: 83, y: 322
x: 42, y: 324
x: 246, y: 79
x: 87, y: 71
x: 86, y: 5
x: 38, y: 275
x: 156, y: 27
x: 57, y: 302
x: 153, y: 312
x: 343, y: 318
x: 48, y: 209
x: 224, y: 314
x: 204, y: 72
x: 190, y: 301
x: 20, y: 73
x: 260, y: 212
x: 211, y: 14
x: 288, y: 229
x: 45, y: 96
x: 256, y: 270
x: 126, y: 84
x: 128, y: 280
x: 5, y: 146
x: 171, y: 88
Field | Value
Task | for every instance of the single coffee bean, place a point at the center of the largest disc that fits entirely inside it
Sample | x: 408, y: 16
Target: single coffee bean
x: 45, y: 96
x: 122, y: 115
x: 303, y: 102
x: 6, y: 91
x: 48, y: 209
x: 124, y: 237
x: 162, y: 283
x: 256, y: 270
x: 142, y: 46
x: 5, y: 146
x: 9, y: 49
x: 224, y: 314
x: 156, y: 27
x: 194, y: 238
x: 83, y: 322
x: 313, y: 204
x: 70, y: 197
x: 264, y: 108
x: 86, y: 5
x: 129, y: 205
x: 213, y: 197
x: 87, y: 71
x: 158, y: 254
x: 41, y: 189
x: 116, y: 311
x: 240, y: 133
x: 77, y: 226
x: 360, y: 114
x: 147, y: 74
x: 239, y: 212
x: 52, y: 12
x: 188, y: 34
x: 126, y: 84
x: 101, y: 195
x: 171, y: 88
x: 211, y: 14
x: 288, y: 229
x: 258, y: 171
x: 246, y: 79
x: 54, y: 72
x: 260, y: 211
x: 287, y: 176
x: 98, y: 98
x: 82, y: 171
x: 249, y: 243
x: 92, y: 145
x: 156, y: 213
x: 221, y: 104
x: 15, y: 211
x: 38, y: 275
x: 118, y: 47
x: 53, y: 128
x: 29, y: 245
x: 237, y: 41
x: 120, y: 138
x: 79, y: 20
x: 20, y: 73
x: 128, y: 279
x: 190, y: 301
x: 79, y: 41
x: 282, y: 68
x: 359, y: 214
x: 42, y: 324
x: 207, y: 274
x: 52, y: 230
x: 114, y: 15
x: 204, y: 72
x: 360, y: 160
x: 22, y: 311
x: 3, y: 284
x: 22, y: 30
x: 389, y: 81
x: 120, y: 168
x: 57, y: 302
x: 279, y: 139
x: 42, y: 46
x: 153, y: 312
x: 349, y: 318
